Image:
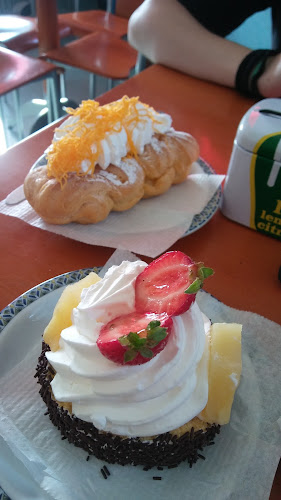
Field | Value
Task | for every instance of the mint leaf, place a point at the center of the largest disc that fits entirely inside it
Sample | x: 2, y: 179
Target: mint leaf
x: 146, y: 352
x: 158, y: 334
x: 124, y: 340
x: 133, y: 336
x: 139, y: 343
x: 152, y: 324
x: 154, y: 334
x: 129, y: 355
x: 135, y: 340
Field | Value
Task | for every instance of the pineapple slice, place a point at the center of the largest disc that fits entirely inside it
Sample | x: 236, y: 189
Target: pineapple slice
x: 61, y: 319
x: 224, y: 371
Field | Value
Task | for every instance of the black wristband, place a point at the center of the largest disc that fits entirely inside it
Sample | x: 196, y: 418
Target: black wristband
x: 249, y: 71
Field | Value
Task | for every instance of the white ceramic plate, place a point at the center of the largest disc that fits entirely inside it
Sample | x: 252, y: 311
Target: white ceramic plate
x: 228, y: 466
x: 20, y: 323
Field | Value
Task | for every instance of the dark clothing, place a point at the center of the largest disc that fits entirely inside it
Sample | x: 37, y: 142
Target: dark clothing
x: 222, y: 17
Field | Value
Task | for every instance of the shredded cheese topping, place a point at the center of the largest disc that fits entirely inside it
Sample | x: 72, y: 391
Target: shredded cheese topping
x: 83, y: 137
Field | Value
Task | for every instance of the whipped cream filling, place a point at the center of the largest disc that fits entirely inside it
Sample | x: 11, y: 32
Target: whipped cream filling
x: 115, y: 145
x: 142, y: 400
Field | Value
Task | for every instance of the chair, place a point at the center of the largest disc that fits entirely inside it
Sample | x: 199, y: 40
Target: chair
x: 85, y: 22
x: 20, y: 33
x: 18, y: 70
x: 101, y: 53
x: 114, y: 19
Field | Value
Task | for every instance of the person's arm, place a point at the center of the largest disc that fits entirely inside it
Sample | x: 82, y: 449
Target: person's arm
x: 166, y: 33
x: 269, y: 83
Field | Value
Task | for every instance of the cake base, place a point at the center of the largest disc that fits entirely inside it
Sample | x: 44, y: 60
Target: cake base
x: 166, y: 450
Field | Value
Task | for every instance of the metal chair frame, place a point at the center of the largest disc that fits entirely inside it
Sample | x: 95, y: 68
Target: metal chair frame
x: 52, y: 98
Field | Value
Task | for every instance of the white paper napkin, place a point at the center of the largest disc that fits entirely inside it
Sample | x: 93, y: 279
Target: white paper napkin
x: 149, y: 228
x: 240, y: 465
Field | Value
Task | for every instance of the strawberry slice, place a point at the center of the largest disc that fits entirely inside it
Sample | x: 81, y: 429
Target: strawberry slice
x: 169, y: 284
x: 134, y: 338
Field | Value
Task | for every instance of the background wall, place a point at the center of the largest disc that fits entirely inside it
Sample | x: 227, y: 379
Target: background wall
x: 255, y: 32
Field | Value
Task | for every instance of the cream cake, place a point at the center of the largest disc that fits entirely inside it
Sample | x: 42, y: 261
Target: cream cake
x: 106, y: 158
x: 132, y: 371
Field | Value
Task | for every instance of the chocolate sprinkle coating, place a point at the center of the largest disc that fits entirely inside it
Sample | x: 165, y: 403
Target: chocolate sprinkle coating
x: 163, y: 450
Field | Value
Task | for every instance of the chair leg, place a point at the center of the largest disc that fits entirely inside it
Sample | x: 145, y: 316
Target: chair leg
x: 142, y: 63
x: 55, y: 95
x: 62, y: 84
x: 109, y: 83
x: 76, y: 5
x: 111, y: 6
x: 50, y: 115
x: 18, y: 114
x: 92, y: 85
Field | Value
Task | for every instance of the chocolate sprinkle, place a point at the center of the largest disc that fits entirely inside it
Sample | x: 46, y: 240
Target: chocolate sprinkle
x: 162, y: 450
x: 106, y: 470
x: 157, y: 478
x: 103, y: 473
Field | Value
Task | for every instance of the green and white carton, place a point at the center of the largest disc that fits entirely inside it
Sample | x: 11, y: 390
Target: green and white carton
x: 252, y: 191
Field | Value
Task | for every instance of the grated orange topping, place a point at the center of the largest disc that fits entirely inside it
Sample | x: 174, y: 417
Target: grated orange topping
x: 82, y: 139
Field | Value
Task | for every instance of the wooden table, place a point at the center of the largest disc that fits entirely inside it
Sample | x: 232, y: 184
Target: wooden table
x: 246, y: 263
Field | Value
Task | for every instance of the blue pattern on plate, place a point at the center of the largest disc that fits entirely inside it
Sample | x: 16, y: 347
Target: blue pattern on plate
x: 9, y: 312
x: 210, y: 209
x: 38, y: 291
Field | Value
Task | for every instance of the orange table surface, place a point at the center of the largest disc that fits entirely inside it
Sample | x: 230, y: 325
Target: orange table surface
x: 246, y: 263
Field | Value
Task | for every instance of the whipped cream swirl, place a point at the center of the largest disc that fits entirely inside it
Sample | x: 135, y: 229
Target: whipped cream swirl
x: 115, y: 145
x: 143, y: 400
